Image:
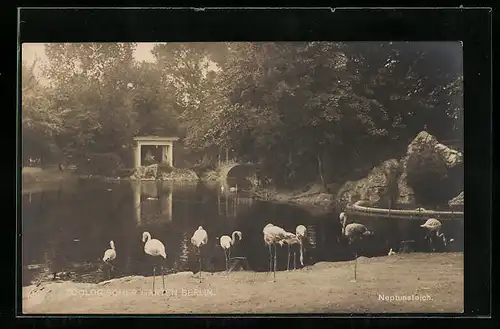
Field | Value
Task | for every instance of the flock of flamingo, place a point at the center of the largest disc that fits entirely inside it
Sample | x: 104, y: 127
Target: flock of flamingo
x: 273, y: 236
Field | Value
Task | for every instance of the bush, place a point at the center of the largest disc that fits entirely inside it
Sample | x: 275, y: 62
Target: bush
x: 204, y: 165
x: 427, y: 176
x: 164, y: 167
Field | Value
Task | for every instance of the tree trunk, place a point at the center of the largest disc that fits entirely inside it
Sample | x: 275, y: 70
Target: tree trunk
x: 320, y: 170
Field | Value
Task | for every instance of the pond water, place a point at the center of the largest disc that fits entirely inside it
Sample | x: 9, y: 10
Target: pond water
x: 65, y: 230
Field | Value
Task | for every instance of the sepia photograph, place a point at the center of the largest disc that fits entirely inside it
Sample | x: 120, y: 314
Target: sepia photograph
x: 242, y: 177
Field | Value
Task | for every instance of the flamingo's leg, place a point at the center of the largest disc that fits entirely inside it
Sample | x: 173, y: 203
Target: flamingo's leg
x: 355, y: 265
x: 199, y: 256
x: 288, y: 263
x: 275, y: 261
x: 225, y: 255
x: 163, y: 278
x: 301, y: 255
x: 270, y: 259
x: 154, y: 276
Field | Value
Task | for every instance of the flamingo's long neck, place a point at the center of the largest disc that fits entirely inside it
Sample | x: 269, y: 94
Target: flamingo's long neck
x: 233, y: 240
x: 301, y: 254
x: 112, y: 245
x: 148, y: 237
x: 344, y: 222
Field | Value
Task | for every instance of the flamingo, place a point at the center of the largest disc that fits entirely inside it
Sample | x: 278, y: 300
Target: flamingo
x: 433, y: 226
x: 352, y: 232
x: 289, y: 240
x: 234, y: 188
x: 342, y: 217
x: 272, y: 235
x: 226, y: 242
x: 199, y: 238
x: 155, y: 248
x: 110, y: 254
x: 300, y: 232
x: 391, y: 252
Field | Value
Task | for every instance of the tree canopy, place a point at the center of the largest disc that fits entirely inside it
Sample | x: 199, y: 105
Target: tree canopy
x: 321, y: 108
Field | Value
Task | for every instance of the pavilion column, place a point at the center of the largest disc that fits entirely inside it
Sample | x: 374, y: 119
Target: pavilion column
x: 170, y: 154
x: 137, y: 155
x: 169, y: 203
x: 163, y: 152
x: 136, y: 186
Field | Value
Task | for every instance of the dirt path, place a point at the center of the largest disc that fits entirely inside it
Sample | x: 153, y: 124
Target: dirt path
x: 324, y: 287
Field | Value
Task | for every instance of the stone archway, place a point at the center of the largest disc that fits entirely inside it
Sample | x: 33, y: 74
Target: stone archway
x: 236, y: 172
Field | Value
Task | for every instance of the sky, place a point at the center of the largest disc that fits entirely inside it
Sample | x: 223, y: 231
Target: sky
x: 33, y: 50
x: 30, y: 51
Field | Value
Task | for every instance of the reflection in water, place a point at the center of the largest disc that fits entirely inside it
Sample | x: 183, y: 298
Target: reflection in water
x: 67, y: 231
x: 152, y: 201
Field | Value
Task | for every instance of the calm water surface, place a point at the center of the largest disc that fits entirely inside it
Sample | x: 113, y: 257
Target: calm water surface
x: 67, y: 229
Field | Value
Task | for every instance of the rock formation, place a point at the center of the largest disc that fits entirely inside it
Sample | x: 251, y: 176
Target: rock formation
x: 375, y: 188
x: 457, y: 201
x: 388, y: 181
x: 425, y: 140
x: 422, y: 141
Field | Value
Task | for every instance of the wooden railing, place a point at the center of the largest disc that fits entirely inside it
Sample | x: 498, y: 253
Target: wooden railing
x: 361, y: 208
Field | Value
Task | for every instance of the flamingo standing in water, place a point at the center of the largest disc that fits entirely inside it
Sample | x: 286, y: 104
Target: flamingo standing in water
x: 353, y: 232
x: 433, y: 226
x: 155, y: 248
x: 226, y: 242
x: 199, y: 238
x: 272, y: 235
x: 110, y: 255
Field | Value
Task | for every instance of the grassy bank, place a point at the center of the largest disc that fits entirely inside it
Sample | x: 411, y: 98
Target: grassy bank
x: 324, y: 287
x: 37, y: 179
x: 36, y: 175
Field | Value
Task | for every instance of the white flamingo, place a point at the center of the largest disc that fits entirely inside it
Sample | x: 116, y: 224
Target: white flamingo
x: 109, y: 255
x: 272, y: 235
x: 300, y: 232
x: 199, y: 238
x: 342, y: 217
x: 353, y: 232
x: 234, y: 188
x: 290, y: 239
x: 155, y: 248
x: 226, y: 242
x: 433, y: 226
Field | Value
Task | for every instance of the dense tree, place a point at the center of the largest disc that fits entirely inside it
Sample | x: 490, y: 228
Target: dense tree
x: 304, y: 111
x: 40, y: 123
x: 343, y: 101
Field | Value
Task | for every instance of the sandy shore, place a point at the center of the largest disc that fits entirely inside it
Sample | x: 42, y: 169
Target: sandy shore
x: 384, y: 284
